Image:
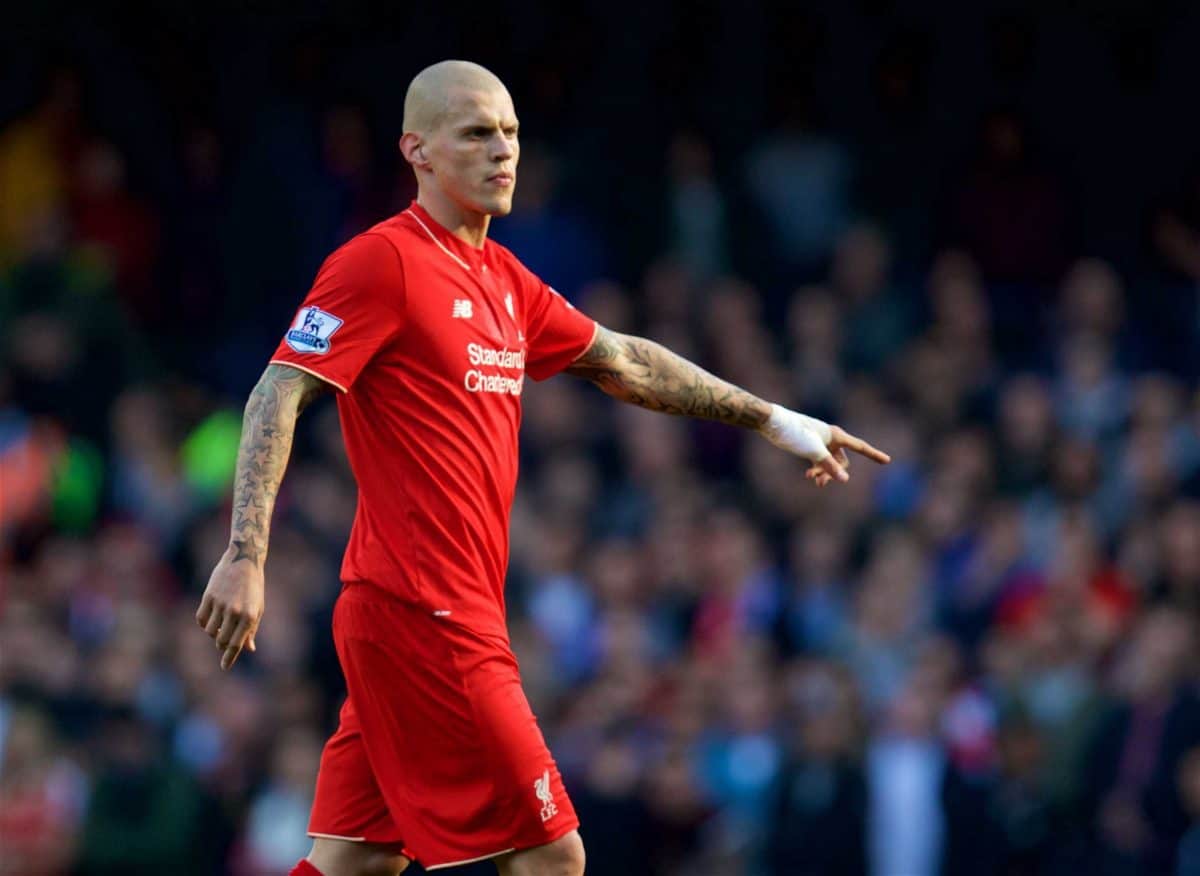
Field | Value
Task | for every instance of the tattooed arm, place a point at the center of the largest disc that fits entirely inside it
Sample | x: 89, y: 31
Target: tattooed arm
x: 233, y: 602
x: 267, y: 429
x: 649, y: 375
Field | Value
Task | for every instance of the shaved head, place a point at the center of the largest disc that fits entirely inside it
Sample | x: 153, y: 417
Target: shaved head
x: 429, y: 94
x: 460, y: 136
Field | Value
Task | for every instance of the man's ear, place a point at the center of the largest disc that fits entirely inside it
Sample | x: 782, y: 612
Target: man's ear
x: 412, y: 147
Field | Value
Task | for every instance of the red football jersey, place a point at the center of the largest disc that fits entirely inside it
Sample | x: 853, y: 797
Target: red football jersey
x: 429, y: 340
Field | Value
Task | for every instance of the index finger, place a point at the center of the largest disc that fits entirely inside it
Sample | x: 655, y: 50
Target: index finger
x: 860, y: 446
x: 236, y: 641
x: 205, y: 610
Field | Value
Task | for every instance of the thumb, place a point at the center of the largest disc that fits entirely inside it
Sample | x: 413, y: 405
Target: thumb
x: 831, y: 467
x: 254, y: 632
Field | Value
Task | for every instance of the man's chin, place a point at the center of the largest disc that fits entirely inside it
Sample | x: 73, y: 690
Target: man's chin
x: 493, y: 205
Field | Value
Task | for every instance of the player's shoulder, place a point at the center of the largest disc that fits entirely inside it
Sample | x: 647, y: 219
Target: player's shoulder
x: 393, y: 230
x: 368, y: 260
x: 378, y: 245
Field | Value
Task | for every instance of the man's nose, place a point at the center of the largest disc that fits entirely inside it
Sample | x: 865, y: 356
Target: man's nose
x: 502, y: 148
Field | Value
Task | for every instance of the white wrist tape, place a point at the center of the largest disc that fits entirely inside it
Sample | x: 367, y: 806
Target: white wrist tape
x: 806, y: 437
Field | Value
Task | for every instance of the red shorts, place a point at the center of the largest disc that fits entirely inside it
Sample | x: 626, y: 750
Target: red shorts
x: 437, y: 749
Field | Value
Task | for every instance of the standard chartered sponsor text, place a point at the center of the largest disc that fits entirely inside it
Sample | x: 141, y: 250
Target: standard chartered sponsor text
x: 480, y: 381
x: 502, y: 358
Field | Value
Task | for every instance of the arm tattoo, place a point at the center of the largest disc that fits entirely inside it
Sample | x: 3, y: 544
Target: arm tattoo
x: 267, y: 429
x: 649, y: 375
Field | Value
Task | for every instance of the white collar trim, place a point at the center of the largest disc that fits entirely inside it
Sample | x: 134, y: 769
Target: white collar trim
x: 440, y: 245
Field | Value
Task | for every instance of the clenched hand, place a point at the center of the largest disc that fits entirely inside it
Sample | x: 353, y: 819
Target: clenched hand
x: 233, y: 603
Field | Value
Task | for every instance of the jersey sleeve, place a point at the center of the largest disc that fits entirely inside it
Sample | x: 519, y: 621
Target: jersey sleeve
x: 355, y: 305
x: 556, y: 333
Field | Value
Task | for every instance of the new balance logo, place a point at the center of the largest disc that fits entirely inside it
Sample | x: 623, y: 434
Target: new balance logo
x: 541, y: 787
x: 461, y: 309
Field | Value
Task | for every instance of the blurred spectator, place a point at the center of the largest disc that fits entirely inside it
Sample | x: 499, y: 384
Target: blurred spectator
x: 1025, y: 434
x: 118, y: 229
x: 1139, y: 816
x: 679, y: 815
x: 620, y: 837
x: 148, y: 483
x: 358, y: 201
x: 145, y: 815
x: 740, y: 592
x: 890, y: 615
x: 800, y: 179
x: 1093, y: 302
x: 1188, y: 863
x: 1009, y: 212
x: 816, y: 614
x: 698, y: 215
x: 277, y: 823
x: 1177, y: 230
x: 41, y: 798
x: 905, y: 771
x: 815, y: 344
x: 961, y: 322
x: 29, y: 454
x: 877, y: 318
x: 1006, y: 823
x: 1176, y: 238
x: 195, y: 256
x: 819, y: 823
x: 741, y: 757
x: 37, y: 153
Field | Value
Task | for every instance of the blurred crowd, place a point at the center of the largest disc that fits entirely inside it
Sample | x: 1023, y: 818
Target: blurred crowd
x: 981, y: 659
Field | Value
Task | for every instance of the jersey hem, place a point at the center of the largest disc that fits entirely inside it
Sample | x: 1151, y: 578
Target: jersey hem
x: 315, y: 374
x: 404, y: 850
x: 334, y: 836
x: 591, y: 340
x: 540, y: 374
x: 554, y: 836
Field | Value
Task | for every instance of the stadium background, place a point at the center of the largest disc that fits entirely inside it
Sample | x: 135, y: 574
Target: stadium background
x: 970, y: 234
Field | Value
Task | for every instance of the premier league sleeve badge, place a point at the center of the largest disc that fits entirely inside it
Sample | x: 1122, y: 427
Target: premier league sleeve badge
x: 311, y: 331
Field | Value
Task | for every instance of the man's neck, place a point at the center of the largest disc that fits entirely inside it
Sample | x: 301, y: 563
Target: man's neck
x: 469, y: 227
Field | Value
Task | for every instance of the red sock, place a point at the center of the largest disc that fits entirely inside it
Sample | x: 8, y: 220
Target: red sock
x: 304, y: 869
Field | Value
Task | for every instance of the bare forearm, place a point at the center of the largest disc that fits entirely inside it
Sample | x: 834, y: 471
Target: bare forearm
x: 647, y: 374
x: 268, y: 427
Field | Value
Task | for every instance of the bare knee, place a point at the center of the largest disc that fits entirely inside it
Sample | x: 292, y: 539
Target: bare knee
x: 341, y: 858
x: 382, y: 864
x: 563, y: 857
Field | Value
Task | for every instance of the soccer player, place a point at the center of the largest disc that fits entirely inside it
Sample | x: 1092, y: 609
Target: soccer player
x: 427, y: 329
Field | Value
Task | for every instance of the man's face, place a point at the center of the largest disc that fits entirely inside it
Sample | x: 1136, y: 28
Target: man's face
x: 473, y: 152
